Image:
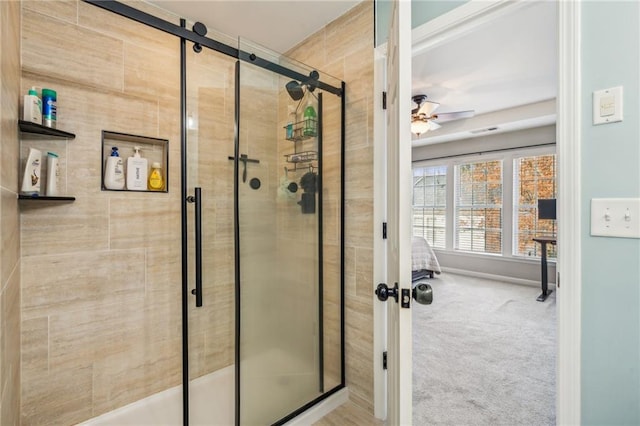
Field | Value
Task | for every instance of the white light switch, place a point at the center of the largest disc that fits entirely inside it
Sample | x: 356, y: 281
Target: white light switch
x: 615, y: 217
x: 607, y: 105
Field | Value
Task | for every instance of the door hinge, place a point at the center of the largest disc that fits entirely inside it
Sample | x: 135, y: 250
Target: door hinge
x: 384, y: 360
x: 384, y: 100
x: 384, y: 230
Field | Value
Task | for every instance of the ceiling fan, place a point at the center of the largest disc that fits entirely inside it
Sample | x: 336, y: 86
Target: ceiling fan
x: 423, y: 118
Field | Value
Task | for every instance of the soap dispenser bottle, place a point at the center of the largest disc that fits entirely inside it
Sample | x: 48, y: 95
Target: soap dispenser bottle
x: 136, y: 171
x: 114, y: 171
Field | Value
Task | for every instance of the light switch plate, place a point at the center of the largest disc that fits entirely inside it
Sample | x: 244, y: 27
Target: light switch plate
x: 615, y: 217
x: 607, y: 105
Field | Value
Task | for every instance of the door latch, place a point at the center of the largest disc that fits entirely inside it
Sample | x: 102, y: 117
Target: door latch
x: 384, y: 292
x: 406, y: 298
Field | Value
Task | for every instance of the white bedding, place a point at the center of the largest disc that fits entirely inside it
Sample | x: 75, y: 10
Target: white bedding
x: 422, y: 256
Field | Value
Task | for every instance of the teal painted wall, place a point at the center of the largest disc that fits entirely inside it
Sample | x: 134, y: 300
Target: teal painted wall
x: 421, y: 11
x: 610, y: 168
x: 610, y: 266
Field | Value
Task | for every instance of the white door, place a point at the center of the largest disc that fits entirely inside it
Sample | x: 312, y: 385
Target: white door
x: 399, y: 177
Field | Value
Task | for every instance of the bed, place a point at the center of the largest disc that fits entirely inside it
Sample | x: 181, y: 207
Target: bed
x: 424, y: 262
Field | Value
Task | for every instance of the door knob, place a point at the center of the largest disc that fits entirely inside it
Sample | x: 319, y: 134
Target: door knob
x: 384, y: 292
x: 423, y: 294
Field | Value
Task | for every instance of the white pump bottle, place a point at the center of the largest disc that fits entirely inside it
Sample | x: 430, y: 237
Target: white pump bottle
x: 137, y: 169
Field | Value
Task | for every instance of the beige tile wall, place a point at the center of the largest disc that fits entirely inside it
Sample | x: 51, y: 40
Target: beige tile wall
x: 344, y: 49
x: 101, y: 276
x: 9, y: 214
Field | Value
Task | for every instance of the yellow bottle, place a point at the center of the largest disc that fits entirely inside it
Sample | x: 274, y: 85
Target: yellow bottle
x: 156, y: 182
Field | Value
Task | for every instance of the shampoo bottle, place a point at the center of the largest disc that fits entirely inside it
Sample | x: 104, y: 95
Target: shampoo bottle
x: 52, y: 174
x: 114, y: 171
x: 32, y: 110
x: 156, y: 181
x: 136, y: 171
x: 31, y: 178
x: 309, y: 117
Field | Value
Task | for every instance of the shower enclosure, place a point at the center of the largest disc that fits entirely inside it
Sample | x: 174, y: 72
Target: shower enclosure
x: 262, y: 172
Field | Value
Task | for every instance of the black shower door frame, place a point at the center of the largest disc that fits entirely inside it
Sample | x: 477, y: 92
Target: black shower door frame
x: 185, y: 35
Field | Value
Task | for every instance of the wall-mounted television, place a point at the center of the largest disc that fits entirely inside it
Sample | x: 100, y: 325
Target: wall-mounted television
x: 547, y: 208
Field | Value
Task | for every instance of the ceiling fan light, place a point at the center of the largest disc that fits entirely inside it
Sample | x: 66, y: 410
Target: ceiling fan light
x: 419, y: 126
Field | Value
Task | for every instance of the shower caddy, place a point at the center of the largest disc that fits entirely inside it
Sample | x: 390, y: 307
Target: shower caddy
x: 298, y: 132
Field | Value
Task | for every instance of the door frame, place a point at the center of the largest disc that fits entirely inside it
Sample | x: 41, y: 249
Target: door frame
x: 459, y: 21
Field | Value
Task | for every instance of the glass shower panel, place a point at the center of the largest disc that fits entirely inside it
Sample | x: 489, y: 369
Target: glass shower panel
x: 289, y: 306
x: 210, y: 106
x: 331, y: 157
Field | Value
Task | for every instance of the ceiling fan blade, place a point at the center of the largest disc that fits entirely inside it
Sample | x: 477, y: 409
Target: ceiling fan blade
x: 450, y: 116
x: 427, y: 108
x: 433, y: 125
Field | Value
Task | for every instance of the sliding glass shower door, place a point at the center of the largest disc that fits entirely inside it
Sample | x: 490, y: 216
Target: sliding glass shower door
x: 279, y: 257
x: 264, y: 249
x: 283, y: 300
x: 210, y: 110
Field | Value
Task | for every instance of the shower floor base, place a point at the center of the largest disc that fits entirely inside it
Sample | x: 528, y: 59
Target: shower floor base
x: 211, y: 403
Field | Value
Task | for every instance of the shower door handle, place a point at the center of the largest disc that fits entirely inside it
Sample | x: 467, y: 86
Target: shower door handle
x: 197, y: 200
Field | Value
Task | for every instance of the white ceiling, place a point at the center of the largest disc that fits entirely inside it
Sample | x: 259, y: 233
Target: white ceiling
x: 506, y: 63
x: 278, y: 25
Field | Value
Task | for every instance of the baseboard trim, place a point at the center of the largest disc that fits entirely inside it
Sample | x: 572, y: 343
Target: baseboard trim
x: 502, y: 278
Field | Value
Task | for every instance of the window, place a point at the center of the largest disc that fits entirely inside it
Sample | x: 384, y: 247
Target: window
x: 534, y: 177
x: 429, y: 204
x: 487, y: 203
x: 478, y: 207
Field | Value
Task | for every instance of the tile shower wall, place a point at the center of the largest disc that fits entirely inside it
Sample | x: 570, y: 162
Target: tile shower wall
x: 101, y: 276
x: 9, y: 214
x: 344, y: 49
x: 101, y: 280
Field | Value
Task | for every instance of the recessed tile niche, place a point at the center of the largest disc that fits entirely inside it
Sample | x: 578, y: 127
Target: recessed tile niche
x: 153, y: 149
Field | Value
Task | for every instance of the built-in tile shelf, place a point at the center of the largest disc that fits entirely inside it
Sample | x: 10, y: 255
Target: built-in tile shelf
x: 39, y: 129
x: 44, y: 198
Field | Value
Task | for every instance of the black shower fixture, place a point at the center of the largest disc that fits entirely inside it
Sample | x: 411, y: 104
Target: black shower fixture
x: 200, y: 29
x: 312, y: 83
x: 296, y: 89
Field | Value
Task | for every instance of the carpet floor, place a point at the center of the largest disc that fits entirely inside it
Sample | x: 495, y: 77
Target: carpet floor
x: 484, y: 353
